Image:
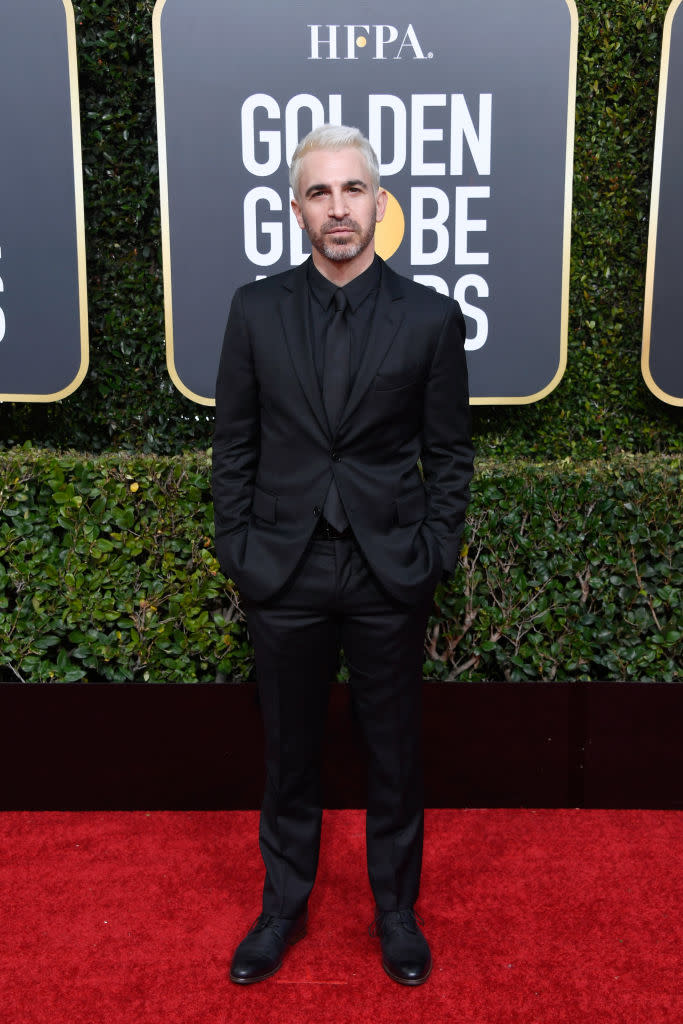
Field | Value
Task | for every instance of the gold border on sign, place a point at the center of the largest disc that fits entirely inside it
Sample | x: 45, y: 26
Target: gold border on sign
x: 566, y: 234
x: 567, y: 227
x: 654, y: 211
x: 80, y: 219
x: 164, y: 211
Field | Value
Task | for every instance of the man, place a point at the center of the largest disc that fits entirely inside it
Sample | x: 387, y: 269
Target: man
x: 335, y: 379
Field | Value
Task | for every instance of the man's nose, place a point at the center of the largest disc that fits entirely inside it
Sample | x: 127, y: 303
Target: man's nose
x: 338, y: 204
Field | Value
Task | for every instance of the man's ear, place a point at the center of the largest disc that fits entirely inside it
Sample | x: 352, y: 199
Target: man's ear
x: 382, y: 199
x: 297, y: 213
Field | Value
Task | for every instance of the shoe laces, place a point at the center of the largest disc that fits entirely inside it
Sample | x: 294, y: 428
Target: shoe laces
x: 387, y: 921
x: 263, y: 921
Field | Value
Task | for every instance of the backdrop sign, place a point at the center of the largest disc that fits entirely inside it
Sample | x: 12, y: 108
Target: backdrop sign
x: 470, y: 107
x: 43, y: 305
x: 662, y: 353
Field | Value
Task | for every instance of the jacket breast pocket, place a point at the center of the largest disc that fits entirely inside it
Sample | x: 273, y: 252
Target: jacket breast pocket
x: 264, y: 505
x: 397, y: 381
x: 411, y: 508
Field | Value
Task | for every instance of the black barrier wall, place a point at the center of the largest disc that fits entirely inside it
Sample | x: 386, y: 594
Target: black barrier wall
x: 492, y: 745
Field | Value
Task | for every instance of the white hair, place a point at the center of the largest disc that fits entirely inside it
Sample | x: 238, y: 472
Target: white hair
x: 333, y: 136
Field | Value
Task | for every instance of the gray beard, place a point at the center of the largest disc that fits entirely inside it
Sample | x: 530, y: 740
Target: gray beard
x: 341, y: 250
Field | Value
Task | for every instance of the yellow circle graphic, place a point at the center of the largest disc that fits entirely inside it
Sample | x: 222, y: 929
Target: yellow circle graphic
x: 361, y: 41
x: 390, y: 230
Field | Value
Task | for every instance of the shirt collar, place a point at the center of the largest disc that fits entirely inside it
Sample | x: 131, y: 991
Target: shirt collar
x: 356, y: 291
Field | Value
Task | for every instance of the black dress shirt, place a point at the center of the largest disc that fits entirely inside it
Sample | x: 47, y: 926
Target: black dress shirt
x: 361, y: 294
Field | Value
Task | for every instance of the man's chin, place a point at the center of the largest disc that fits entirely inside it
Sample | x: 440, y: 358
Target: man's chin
x: 341, y: 250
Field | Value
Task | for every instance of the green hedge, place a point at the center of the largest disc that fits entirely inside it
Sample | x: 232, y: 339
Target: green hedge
x: 602, y: 404
x: 107, y: 572
x: 573, y: 564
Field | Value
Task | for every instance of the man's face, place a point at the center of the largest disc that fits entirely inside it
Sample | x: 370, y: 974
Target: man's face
x: 337, y: 205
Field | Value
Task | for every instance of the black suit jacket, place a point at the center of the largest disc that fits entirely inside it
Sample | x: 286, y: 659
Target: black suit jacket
x: 274, y: 455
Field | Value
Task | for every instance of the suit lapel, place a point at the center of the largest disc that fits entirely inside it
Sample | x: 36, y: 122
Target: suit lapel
x: 295, y: 323
x: 386, y: 322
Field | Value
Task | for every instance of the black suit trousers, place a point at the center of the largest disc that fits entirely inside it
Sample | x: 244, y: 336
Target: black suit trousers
x: 332, y: 603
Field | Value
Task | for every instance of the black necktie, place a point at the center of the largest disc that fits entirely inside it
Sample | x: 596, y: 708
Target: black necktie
x: 336, y: 366
x: 335, y: 388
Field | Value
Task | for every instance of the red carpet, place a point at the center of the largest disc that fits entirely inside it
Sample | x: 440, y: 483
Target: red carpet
x: 535, y: 917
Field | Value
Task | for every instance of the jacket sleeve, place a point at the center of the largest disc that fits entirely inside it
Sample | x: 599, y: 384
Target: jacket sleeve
x: 236, y: 438
x: 447, y: 451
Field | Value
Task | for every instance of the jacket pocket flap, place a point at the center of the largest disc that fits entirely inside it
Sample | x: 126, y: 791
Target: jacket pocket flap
x: 264, y: 505
x: 411, y: 507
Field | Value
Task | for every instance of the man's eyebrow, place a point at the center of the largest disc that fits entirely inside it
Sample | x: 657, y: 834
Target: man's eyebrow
x: 321, y: 187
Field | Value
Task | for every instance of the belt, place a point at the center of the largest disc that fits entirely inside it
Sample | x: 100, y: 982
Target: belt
x: 325, y: 531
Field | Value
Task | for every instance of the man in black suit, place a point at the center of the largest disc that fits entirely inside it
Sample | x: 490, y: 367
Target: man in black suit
x: 337, y: 379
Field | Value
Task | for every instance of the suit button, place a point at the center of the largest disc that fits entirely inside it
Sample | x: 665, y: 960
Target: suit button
x: 336, y: 457
x: 316, y: 511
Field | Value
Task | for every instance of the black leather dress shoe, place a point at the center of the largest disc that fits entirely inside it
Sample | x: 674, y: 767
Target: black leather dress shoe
x: 405, y: 952
x: 260, y: 954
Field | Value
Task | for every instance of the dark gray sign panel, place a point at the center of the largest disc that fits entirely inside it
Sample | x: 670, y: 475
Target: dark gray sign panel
x: 470, y: 107
x: 662, y: 352
x: 43, y: 305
